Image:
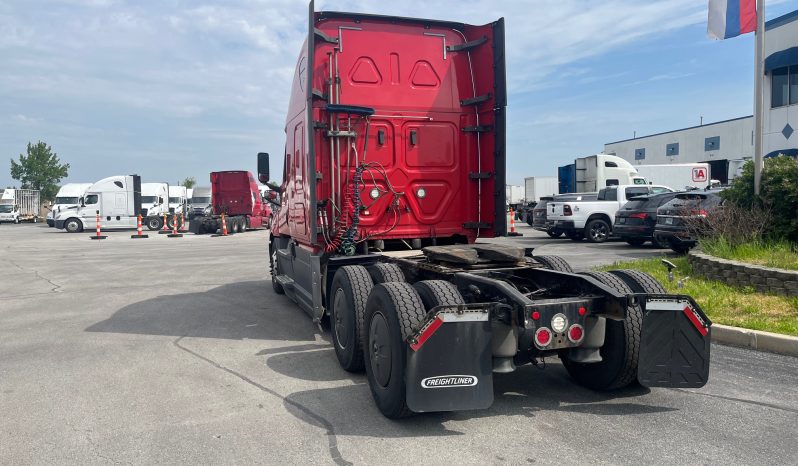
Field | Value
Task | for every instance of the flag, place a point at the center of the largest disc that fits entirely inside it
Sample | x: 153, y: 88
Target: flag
x: 730, y: 18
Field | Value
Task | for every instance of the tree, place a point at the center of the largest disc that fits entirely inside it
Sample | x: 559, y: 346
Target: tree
x: 189, y: 182
x: 39, y: 169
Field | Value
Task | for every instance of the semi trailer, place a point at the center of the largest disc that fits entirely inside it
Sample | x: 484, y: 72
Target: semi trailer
x: 19, y: 205
x: 236, y: 198
x: 396, y: 140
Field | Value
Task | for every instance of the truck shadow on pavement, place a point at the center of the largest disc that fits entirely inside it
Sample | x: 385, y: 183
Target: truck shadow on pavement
x: 243, y: 310
x: 251, y: 310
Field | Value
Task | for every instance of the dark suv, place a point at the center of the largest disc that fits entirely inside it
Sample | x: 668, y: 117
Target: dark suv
x: 635, y: 221
x: 685, y: 212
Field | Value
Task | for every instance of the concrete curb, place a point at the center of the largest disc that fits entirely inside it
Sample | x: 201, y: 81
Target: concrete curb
x: 755, y: 339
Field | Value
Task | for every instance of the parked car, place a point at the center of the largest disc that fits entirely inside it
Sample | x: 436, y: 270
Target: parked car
x: 677, y: 218
x: 594, y: 219
x: 636, y: 220
x: 538, y: 220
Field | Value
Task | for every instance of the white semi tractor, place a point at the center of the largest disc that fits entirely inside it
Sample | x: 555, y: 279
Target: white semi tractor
x: 68, y: 197
x: 116, y: 199
x: 178, y: 200
x: 19, y: 205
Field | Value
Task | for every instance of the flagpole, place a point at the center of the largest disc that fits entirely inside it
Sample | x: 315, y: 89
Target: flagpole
x: 759, y: 162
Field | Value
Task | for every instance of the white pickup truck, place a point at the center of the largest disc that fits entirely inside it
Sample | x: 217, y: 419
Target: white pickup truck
x: 593, y: 219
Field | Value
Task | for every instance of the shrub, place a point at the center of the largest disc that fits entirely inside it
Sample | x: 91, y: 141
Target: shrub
x: 778, y: 194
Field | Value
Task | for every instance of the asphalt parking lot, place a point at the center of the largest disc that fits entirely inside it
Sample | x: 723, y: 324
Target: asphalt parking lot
x: 176, y: 350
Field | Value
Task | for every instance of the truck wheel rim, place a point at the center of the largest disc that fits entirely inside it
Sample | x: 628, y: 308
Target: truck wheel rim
x: 380, y: 349
x: 341, y: 321
x: 598, y: 232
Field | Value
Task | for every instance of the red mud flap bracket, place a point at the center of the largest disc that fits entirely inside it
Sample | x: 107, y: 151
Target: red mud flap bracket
x: 449, y: 361
x: 674, y: 343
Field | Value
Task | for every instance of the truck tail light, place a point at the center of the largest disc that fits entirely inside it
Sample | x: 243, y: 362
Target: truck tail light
x: 576, y: 333
x: 566, y: 210
x: 543, y: 337
x: 641, y: 216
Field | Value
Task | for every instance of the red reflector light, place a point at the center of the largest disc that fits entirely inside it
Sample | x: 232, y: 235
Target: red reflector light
x: 535, y: 315
x: 543, y: 336
x: 576, y: 333
x: 582, y: 311
x: 640, y: 215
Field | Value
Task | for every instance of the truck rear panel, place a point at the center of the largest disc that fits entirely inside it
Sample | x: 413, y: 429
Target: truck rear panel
x: 431, y: 153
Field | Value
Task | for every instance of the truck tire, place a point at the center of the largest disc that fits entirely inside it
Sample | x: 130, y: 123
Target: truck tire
x: 555, y: 263
x: 393, y: 312
x: 349, y: 292
x: 619, y: 354
x: 383, y: 272
x: 243, y: 225
x: 640, y: 282
x: 73, y: 225
x: 154, y: 223
x: 170, y: 222
x: 597, y: 230
x: 438, y: 293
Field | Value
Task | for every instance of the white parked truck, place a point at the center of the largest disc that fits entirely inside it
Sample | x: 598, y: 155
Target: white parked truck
x: 601, y: 170
x: 201, y: 201
x: 68, y: 197
x: 178, y: 200
x: 154, y: 204
x: 594, y: 219
x: 681, y: 176
x: 116, y: 199
x: 515, y: 194
x: 19, y: 205
x: 536, y: 187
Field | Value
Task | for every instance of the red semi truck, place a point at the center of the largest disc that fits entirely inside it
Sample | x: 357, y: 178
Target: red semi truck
x: 236, y: 195
x: 396, y: 139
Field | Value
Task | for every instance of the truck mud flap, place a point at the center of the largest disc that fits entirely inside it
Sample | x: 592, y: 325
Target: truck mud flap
x: 449, y: 362
x: 674, y: 343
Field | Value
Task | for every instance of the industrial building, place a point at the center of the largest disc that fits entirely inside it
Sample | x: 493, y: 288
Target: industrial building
x: 726, y: 145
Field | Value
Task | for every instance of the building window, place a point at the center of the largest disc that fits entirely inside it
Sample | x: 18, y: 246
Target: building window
x: 672, y: 149
x: 784, y: 86
x: 712, y: 143
x: 779, y: 87
x: 640, y: 154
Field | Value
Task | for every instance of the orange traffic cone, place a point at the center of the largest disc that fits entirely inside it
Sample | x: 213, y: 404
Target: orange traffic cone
x: 138, y: 230
x: 98, y: 235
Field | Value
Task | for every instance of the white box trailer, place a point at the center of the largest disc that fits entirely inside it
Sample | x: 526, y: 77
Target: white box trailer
x: 536, y: 187
x: 678, y: 176
x: 515, y: 194
x: 116, y: 199
x: 20, y: 205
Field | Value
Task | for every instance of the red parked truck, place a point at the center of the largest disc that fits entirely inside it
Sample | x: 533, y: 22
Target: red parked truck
x: 236, y: 195
x: 396, y: 137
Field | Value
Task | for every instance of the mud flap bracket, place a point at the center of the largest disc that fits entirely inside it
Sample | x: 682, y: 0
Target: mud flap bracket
x: 674, y: 343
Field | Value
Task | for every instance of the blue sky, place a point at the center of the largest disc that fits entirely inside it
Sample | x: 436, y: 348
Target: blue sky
x: 174, y: 88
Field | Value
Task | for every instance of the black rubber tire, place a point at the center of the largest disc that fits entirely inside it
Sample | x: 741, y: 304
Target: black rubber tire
x: 154, y: 223
x: 393, y: 312
x: 349, y: 292
x: 383, y: 272
x: 275, y: 270
x: 438, y: 293
x: 554, y: 263
x: 575, y: 235
x: 640, y: 282
x: 618, y: 367
x: 554, y: 233
x: 635, y: 241
x: 170, y: 221
x: 659, y: 244
x: 73, y: 225
x: 597, y: 231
